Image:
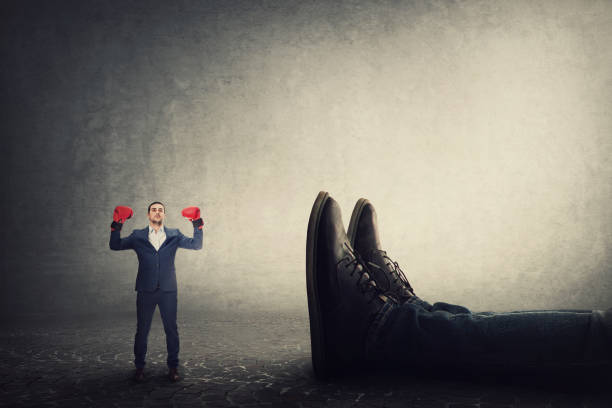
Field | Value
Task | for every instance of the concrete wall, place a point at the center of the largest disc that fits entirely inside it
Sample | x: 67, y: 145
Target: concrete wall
x: 480, y: 130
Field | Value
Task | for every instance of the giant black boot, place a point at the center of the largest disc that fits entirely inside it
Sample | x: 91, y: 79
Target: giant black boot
x: 343, y: 299
x: 364, y: 237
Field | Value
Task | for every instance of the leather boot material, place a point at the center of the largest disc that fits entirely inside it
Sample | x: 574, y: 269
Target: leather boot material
x: 343, y: 300
x: 363, y: 235
x: 173, y: 374
x: 139, y: 375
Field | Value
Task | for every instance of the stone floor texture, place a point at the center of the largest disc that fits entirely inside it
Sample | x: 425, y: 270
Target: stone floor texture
x: 234, y: 361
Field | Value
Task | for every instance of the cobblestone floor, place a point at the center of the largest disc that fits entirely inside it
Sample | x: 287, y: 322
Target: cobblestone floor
x: 261, y: 360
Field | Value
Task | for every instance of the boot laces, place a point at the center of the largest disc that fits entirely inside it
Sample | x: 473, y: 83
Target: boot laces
x: 365, y: 282
x: 395, y: 270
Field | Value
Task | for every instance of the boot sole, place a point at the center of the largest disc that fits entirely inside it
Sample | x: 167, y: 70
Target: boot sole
x: 357, y: 210
x: 320, y: 360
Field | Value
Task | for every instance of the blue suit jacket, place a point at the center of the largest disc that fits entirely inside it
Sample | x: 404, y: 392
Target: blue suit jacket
x: 155, y: 267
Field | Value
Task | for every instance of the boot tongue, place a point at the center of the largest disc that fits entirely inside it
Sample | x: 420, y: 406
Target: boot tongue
x: 376, y: 256
x: 380, y: 270
x: 393, y: 282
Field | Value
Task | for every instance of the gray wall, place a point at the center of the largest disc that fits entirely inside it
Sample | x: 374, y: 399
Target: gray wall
x: 480, y: 130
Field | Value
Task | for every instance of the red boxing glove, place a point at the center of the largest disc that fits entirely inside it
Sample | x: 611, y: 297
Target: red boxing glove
x: 120, y: 214
x: 193, y: 215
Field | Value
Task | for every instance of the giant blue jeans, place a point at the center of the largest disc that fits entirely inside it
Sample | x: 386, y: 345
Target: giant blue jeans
x: 145, y: 308
x: 418, y: 332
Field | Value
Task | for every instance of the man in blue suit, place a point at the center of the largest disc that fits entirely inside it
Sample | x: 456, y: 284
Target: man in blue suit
x: 156, y: 248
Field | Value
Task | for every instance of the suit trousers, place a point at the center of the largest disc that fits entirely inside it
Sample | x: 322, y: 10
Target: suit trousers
x: 145, y: 308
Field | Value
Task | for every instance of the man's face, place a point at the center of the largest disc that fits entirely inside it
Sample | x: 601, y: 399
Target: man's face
x: 157, y: 214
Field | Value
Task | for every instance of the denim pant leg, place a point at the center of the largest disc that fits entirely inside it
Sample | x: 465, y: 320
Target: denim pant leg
x: 167, y: 309
x: 415, y: 300
x: 145, y: 308
x: 410, y: 334
x: 450, y: 308
x: 453, y: 309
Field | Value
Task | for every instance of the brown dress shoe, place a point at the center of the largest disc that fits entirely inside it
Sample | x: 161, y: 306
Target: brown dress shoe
x: 139, y: 375
x: 173, y: 374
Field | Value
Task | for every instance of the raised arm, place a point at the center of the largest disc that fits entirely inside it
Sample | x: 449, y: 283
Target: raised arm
x: 117, y: 243
x: 191, y: 243
x: 193, y: 215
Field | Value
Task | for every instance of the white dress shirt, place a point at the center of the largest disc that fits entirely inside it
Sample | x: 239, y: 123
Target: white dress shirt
x: 157, y: 238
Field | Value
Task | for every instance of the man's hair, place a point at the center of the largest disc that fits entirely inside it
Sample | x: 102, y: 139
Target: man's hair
x: 155, y: 202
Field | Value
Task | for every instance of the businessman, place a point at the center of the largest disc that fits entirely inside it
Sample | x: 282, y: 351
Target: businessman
x: 155, y: 246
